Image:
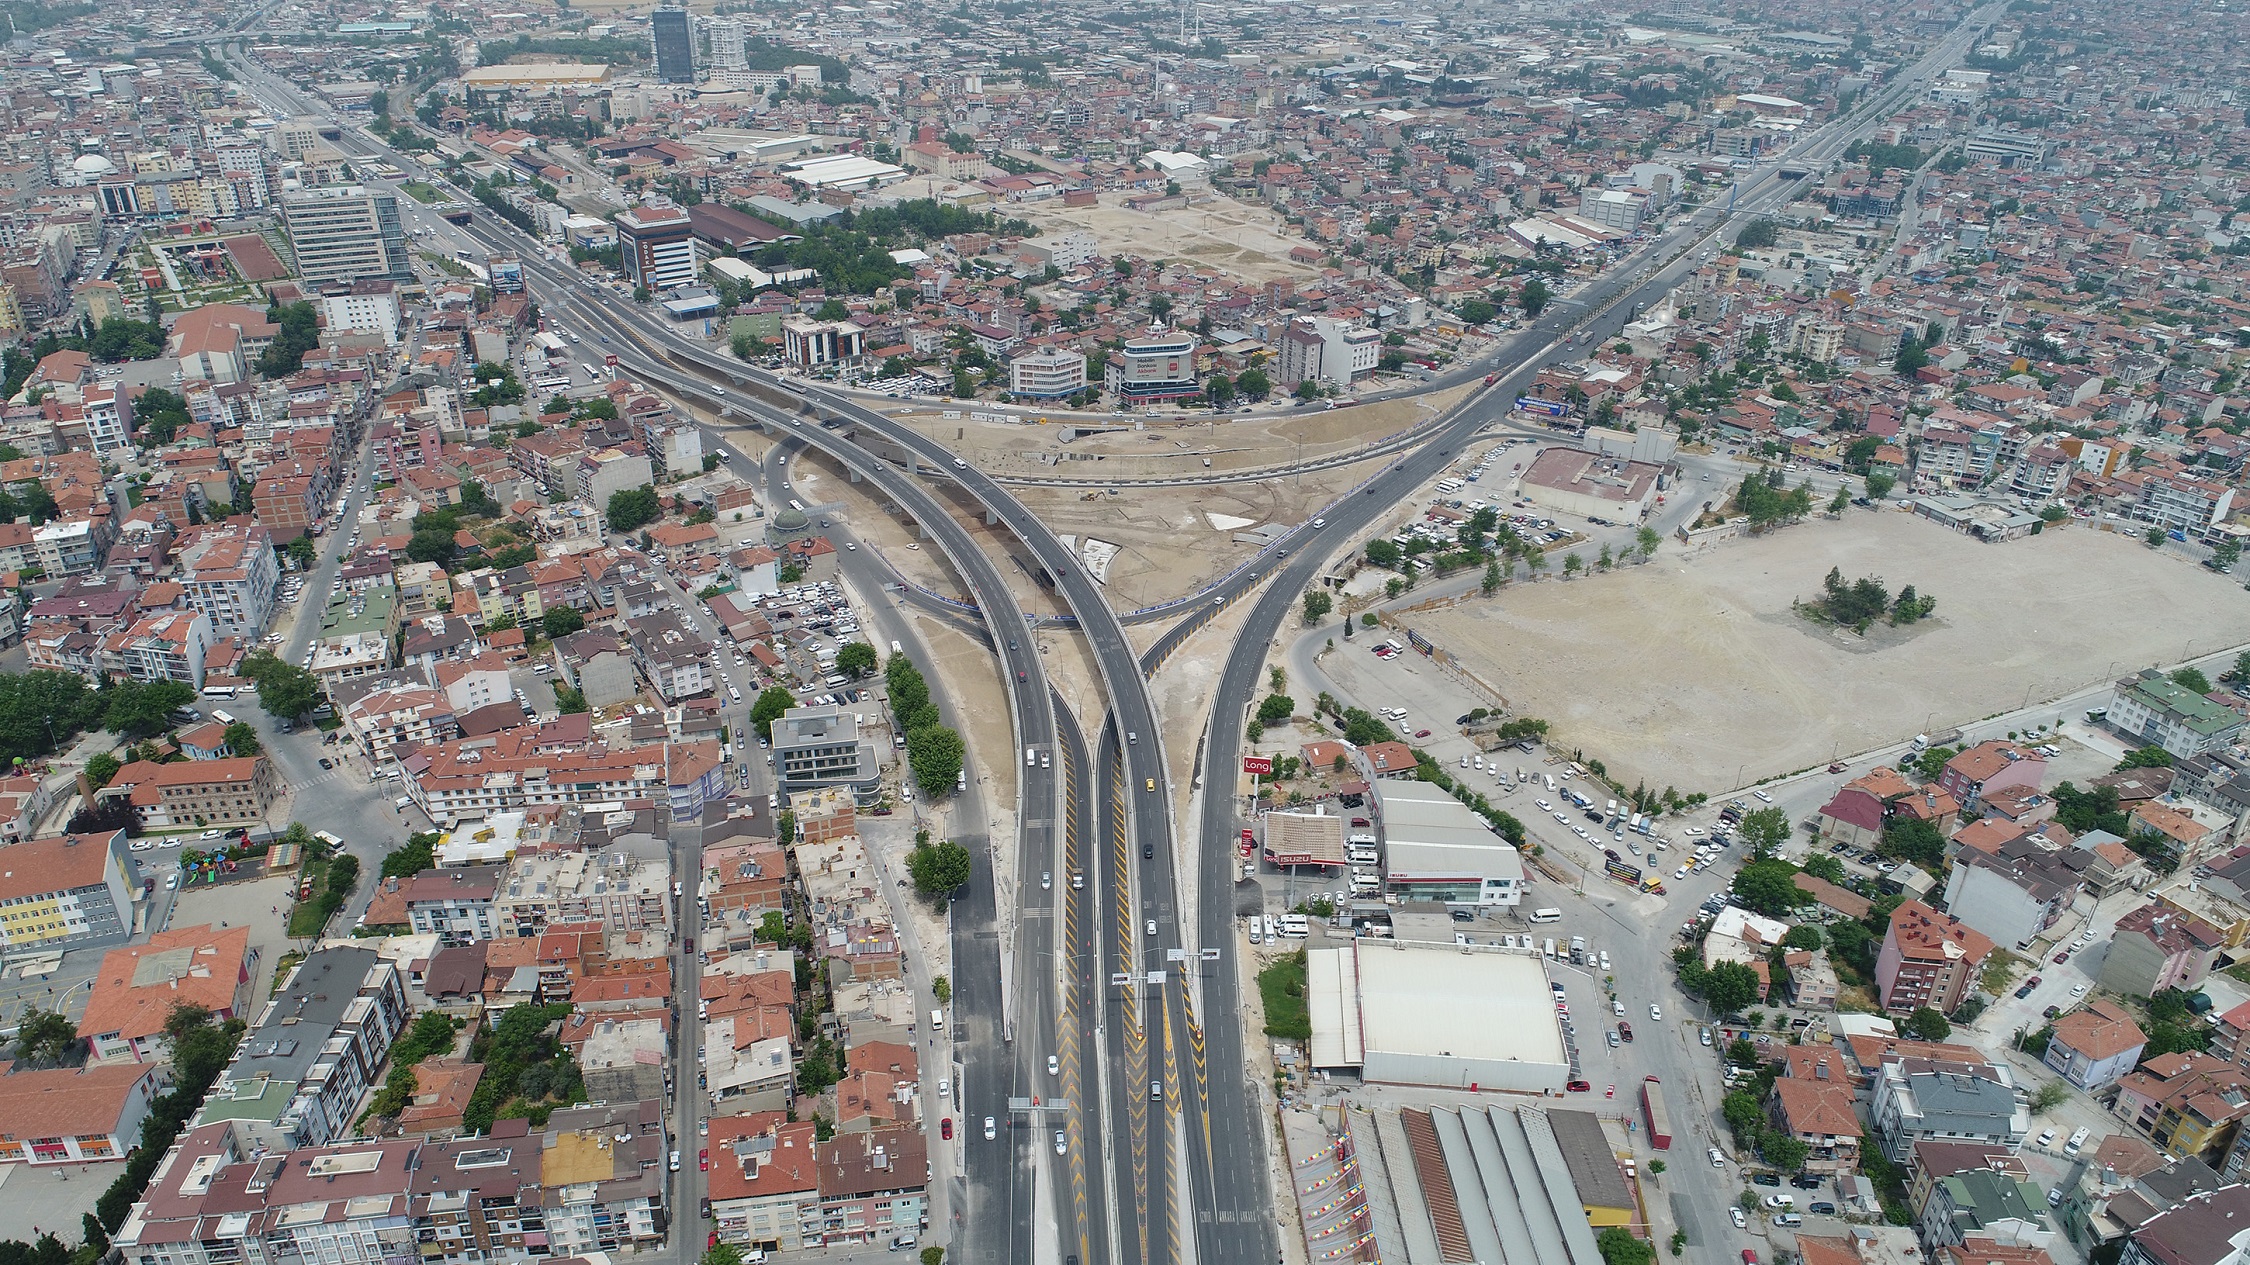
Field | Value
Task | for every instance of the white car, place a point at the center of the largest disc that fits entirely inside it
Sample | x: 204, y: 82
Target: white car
x: 1656, y: 1012
x: 1762, y: 797
x: 1740, y: 1221
x: 1054, y: 1066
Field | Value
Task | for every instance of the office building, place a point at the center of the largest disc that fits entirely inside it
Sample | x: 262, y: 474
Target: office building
x: 346, y: 233
x: 657, y: 244
x: 1152, y: 369
x: 815, y: 747
x: 673, y: 33
x: 1048, y: 373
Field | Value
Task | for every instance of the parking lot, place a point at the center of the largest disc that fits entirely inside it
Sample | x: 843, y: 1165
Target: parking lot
x: 51, y: 1199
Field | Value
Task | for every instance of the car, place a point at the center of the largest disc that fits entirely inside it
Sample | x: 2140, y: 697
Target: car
x: 2023, y: 992
x: 1717, y: 1160
x: 1765, y: 1179
x: 1046, y: 880
x: 945, y: 1128
x: 2035, y: 981
x: 1837, y: 767
x: 1805, y: 1181
x: 1421, y: 733
x: 1762, y: 797
x: 1612, y: 1040
x: 1148, y: 784
x: 1706, y: 1035
x: 703, y: 1128
x: 1779, y: 1201
x: 703, y: 1159
x: 904, y: 1242
x: 2061, y: 957
x: 2054, y: 1197
x: 1821, y: 1209
x: 2078, y: 990
x: 1617, y: 1008
x: 324, y: 763
x: 1062, y: 1144
x: 172, y: 884
x: 1054, y: 1067
x: 851, y: 547
x: 1463, y: 915
x: 675, y: 1161
x: 1625, y: 1030
x: 1152, y: 926
x: 1580, y: 1087
x: 991, y: 1130
x: 1655, y: 1012
x: 1020, y: 676
x: 1319, y: 523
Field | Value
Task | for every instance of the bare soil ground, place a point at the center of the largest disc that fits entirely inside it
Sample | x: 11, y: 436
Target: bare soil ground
x: 1684, y: 672
x: 1246, y: 241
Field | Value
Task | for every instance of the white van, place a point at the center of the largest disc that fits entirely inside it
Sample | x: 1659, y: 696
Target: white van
x: 1550, y: 779
x: 1273, y: 932
x: 937, y: 1021
x: 1546, y: 915
x: 221, y: 716
x: 2077, y: 1140
x: 403, y: 802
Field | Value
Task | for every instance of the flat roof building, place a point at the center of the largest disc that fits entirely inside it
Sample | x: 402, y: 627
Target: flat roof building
x: 1590, y: 485
x: 1437, y: 848
x: 1304, y: 839
x: 1394, y: 1012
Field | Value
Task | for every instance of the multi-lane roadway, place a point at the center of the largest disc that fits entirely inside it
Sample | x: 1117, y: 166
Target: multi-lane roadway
x: 1180, y: 1169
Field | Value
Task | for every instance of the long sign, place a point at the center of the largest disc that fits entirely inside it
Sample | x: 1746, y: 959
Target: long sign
x: 1262, y: 765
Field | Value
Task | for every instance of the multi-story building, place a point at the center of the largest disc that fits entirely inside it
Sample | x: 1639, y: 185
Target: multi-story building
x: 1618, y: 210
x: 1991, y: 766
x: 2203, y: 1229
x: 2186, y: 1104
x: 2013, y: 893
x: 455, y: 905
x: 1152, y: 369
x: 297, y: 1078
x: 392, y: 721
x: 675, y: 659
x: 672, y: 35
x: 2155, y: 710
x: 808, y: 343
x: 1954, y: 1100
x: 229, y: 574
x: 71, y: 546
x: 347, y: 233
x: 67, y: 888
x: 1047, y: 373
x: 602, y: 473
x: 2184, y: 503
x: 821, y: 746
x: 2159, y: 946
x: 2093, y: 1046
x: 614, y: 889
x: 136, y: 987
x: 1928, y: 959
x: 109, y: 419
x: 1984, y: 1205
x: 73, y: 1115
x: 161, y: 646
x: 368, y: 306
x: 656, y: 245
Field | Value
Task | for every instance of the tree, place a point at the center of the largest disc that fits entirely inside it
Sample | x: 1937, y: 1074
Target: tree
x: 45, y: 1038
x: 2051, y: 1095
x: 1276, y: 708
x: 2192, y: 680
x: 158, y: 415
x: 1476, y: 312
x: 1741, y: 1111
x: 1769, y: 887
x: 2155, y: 538
x: 1783, y: 1151
x: 1317, y: 605
x: 1492, y: 579
x: 935, y: 754
x: 135, y: 709
x: 634, y: 508
x: 2241, y: 670
x: 1647, y: 540
x: 1729, y: 986
x: 1384, y: 552
x: 1764, y: 831
x: 1758, y: 234
x: 1533, y: 298
x: 101, y: 769
x: 561, y: 621
x: 855, y: 659
x: 772, y: 702
x: 2151, y: 757
x: 242, y: 739
x: 938, y: 869
x: 1913, y: 840
x: 1253, y: 384
x: 299, y: 333
x: 285, y: 690
x: 1926, y: 1024
x: 1619, y: 1247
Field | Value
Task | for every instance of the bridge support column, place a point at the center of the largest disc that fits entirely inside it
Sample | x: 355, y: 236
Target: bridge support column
x: 991, y: 519
x: 854, y: 477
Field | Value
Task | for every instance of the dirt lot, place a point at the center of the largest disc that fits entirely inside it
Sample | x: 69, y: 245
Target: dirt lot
x: 1241, y: 240
x: 1683, y: 673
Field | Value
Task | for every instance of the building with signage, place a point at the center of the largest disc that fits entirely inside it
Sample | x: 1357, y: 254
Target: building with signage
x: 672, y: 32
x: 1436, y: 848
x: 1153, y: 369
x: 656, y: 245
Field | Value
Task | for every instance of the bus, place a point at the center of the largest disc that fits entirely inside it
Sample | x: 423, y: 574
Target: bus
x: 592, y: 372
x: 1652, y: 1111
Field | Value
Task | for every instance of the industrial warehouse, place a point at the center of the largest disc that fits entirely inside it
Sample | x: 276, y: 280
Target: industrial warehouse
x: 1467, y: 1017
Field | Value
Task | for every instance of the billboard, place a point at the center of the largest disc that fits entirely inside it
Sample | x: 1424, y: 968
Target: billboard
x: 1623, y: 873
x: 1262, y: 765
x: 1533, y: 404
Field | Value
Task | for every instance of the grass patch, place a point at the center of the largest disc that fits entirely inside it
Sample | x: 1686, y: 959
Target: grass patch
x: 305, y: 918
x: 422, y: 191
x: 1999, y: 972
x: 1282, y: 987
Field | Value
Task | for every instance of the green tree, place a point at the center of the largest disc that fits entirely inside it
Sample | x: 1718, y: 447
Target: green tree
x: 938, y: 868
x: 634, y: 508
x: 2051, y: 1095
x: 1476, y: 312
x: 1317, y: 605
x: 772, y: 702
x: 1729, y: 986
x: 855, y: 659
x: 45, y: 1038
x: 1913, y: 840
x: 1619, y: 1247
x: 158, y: 415
x: 2150, y: 757
x: 242, y: 739
x: 1384, y: 552
x: 1492, y: 579
x: 1926, y: 1024
x: 1742, y: 1113
x: 1276, y: 708
x: 299, y: 333
x: 1533, y: 298
x: 135, y: 709
x: 1758, y: 234
x: 1769, y: 887
x: 1647, y: 540
x: 1782, y: 1151
x: 935, y: 753
x: 1253, y: 384
x: 285, y: 690
x: 101, y: 769
x: 1764, y: 831
x: 2192, y: 680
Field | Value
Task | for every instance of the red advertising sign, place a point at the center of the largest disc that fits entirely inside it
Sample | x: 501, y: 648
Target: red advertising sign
x: 1262, y: 765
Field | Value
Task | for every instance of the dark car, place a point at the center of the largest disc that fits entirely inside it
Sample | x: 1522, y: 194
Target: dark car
x: 1625, y: 1032
x: 1803, y: 1181
x: 1461, y: 719
x: 1463, y: 915
x: 1611, y: 853
x: 1765, y: 1179
x: 1821, y: 1209
x: 325, y: 764
x: 2051, y: 1011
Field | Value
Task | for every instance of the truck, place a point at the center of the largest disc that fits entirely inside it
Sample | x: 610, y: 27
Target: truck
x: 1653, y: 1114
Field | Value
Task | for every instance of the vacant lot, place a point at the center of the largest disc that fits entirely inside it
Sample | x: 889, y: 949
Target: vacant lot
x: 1233, y: 237
x: 1684, y: 673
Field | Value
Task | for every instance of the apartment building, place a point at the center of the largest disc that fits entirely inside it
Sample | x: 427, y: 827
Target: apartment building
x: 2013, y: 893
x: 298, y: 1076
x: 72, y: 546
x: 1047, y: 373
x: 674, y: 659
x: 67, y: 889
x: 1928, y: 959
x: 1991, y: 766
x: 367, y: 306
x: 2183, y: 503
x: 390, y: 723
x: 347, y: 233
x: 2093, y: 1046
x: 455, y: 905
x: 821, y: 746
x: 612, y: 888
x: 808, y: 343
x: 1917, y: 1099
x: 161, y: 646
x: 229, y: 573
x: 136, y: 987
x: 2159, y: 946
x: 2151, y: 708
x: 2186, y: 1104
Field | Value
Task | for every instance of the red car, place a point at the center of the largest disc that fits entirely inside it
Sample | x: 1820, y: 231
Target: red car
x: 2062, y: 957
x: 703, y: 1159
x: 1421, y: 733
x: 1625, y: 1032
x: 1749, y: 1257
x: 1579, y: 1087
x: 945, y: 1128
x: 713, y: 1241
x: 1359, y: 821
